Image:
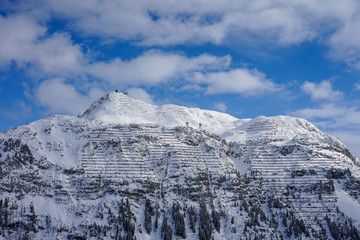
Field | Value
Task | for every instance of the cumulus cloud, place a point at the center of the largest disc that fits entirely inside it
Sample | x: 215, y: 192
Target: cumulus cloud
x: 56, y: 55
x: 158, y: 22
x: 140, y: 94
x: 17, y: 33
x: 25, y: 42
x: 345, y: 43
x: 240, y: 80
x: 60, y: 97
x: 155, y: 67
x: 322, y: 90
x: 323, y: 112
x: 163, y: 23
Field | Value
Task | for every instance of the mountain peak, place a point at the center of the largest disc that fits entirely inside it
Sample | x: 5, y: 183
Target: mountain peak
x: 110, y: 98
x: 115, y: 107
x: 118, y: 108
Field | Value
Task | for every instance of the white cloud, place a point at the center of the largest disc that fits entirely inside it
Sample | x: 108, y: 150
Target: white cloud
x: 240, y: 80
x: 220, y: 107
x: 17, y: 33
x: 357, y: 86
x: 322, y: 90
x: 60, y: 97
x: 335, y: 115
x: 155, y: 67
x: 345, y: 43
x: 57, y: 54
x: 323, y: 112
x: 140, y: 94
x: 161, y: 23
x: 25, y: 42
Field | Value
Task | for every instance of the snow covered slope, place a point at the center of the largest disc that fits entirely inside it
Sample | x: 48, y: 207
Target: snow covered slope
x: 117, y: 107
x: 126, y: 169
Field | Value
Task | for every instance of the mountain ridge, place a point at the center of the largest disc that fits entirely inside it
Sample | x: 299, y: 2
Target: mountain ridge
x: 119, y: 108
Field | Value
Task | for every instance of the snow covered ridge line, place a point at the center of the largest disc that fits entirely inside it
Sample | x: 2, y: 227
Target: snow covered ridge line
x: 118, y: 108
x: 125, y: 169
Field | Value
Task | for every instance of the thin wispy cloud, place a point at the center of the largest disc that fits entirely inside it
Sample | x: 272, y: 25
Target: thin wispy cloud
x: 220, y: 107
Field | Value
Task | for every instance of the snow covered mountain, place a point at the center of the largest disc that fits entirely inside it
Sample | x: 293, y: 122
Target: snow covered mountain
x: 125, y: 169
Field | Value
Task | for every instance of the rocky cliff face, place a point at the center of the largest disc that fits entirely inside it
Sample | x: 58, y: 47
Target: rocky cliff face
x: 125, y: 169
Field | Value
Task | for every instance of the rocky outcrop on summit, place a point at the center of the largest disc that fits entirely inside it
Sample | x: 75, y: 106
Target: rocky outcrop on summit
x: 125, y: 169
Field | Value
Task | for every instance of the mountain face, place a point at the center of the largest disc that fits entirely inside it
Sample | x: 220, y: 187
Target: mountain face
x: 125, y: 169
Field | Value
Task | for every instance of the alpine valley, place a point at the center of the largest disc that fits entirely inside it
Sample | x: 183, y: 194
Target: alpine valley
x: 125, y: 169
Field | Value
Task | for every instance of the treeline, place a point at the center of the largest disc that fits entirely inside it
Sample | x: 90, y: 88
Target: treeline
x: 342, y: 230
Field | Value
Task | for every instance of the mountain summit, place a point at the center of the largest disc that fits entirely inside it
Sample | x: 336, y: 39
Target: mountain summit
x: 126, y: 169
x: 117, y: 107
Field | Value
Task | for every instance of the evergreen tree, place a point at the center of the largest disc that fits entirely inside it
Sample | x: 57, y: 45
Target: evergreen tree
x: 205, y: 227
x: 149, y: 211
x: 179, y: 221
x: 156, y: 225
x: 216, y: 219
x: 166, y: 231
x: 192, y: 218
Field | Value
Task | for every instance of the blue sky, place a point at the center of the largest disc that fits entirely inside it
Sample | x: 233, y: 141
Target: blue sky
x: 245, y: 58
